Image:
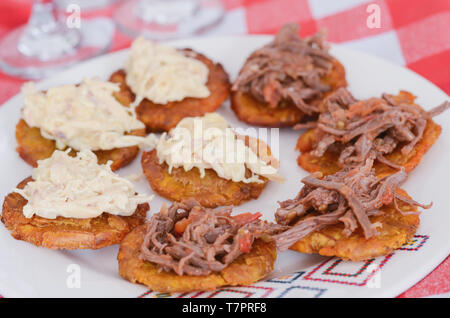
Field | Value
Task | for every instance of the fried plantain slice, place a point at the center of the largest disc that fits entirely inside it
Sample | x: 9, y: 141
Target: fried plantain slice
x: 210, y: 191
x: 32, y: 146
x: 67, y: 233
x: 396, y: 230
x: 159, y: 118
x: 328, y: 163
x: 254, y: 112
x: 246, y: 269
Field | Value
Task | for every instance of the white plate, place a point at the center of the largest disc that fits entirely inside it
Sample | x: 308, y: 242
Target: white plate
x: 26, y: 270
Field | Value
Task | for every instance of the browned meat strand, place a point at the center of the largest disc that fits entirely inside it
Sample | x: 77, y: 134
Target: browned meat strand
x: 349, y: 196
x: 288, y: 68
x: 192, y: 240
x: 372, y: 128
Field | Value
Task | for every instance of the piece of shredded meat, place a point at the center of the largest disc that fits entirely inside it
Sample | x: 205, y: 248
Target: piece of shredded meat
x: 288, y: 68
x: 350, y: 196
x: 372, y: 128
x: 192, y: 240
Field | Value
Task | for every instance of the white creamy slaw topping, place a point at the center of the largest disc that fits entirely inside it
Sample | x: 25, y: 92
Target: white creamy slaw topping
x: 163, y: 74
x: 208, y: 143
x: 78, y: 187
x: 84, y: 116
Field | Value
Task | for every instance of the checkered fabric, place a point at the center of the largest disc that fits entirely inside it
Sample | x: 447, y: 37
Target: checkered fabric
x: 411, y: 33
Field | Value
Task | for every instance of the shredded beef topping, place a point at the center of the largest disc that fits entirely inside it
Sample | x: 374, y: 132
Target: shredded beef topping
x: 372, y: 128
x: 192, y: 240
x: 288, y: 68
x: 350, y: 196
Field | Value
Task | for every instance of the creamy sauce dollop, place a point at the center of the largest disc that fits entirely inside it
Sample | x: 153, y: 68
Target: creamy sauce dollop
x: 78, y: 187
x: 84, y: 116
x: 209, y: 143
x: 163, y: 74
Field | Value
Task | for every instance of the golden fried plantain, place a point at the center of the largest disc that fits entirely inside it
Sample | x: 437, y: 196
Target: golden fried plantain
x: 328, y: 163
x: 32, y: 146
x: 210, y: 191
x: 159, y: 118
x: 246, y: 269
x: 397, y: 229
x: 67, y: 233
x: 254, y: 112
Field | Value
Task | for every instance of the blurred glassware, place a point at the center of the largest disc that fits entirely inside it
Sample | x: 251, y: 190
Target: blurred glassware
x: 50, y: 42
x: 167, y: 19
x: 85, y: 4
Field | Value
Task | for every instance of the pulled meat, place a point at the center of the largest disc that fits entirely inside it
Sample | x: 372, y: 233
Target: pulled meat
x: 350, y: 196
x: 192, y: 240
x: 288, y: 68
x: 372, y: 128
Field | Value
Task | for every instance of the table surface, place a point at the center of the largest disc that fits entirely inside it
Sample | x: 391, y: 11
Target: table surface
x: 411, y: 33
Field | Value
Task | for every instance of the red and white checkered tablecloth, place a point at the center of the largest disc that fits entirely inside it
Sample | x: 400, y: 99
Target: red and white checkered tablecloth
x: 412, y: 33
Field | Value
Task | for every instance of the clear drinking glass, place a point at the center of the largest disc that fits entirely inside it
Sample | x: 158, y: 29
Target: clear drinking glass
x: 49, y: 42
x: 167, y: 19
x: 85, y: 4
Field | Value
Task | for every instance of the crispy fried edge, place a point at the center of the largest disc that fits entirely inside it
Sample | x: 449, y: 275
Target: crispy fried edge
x: 254, y: 112
x: 67, y: 233
x: 246, y: 269
x: 397, y: 230
x: 210, y: 191
x: 328, y: 163
x: 159, y: 118
x: 32, y: 146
